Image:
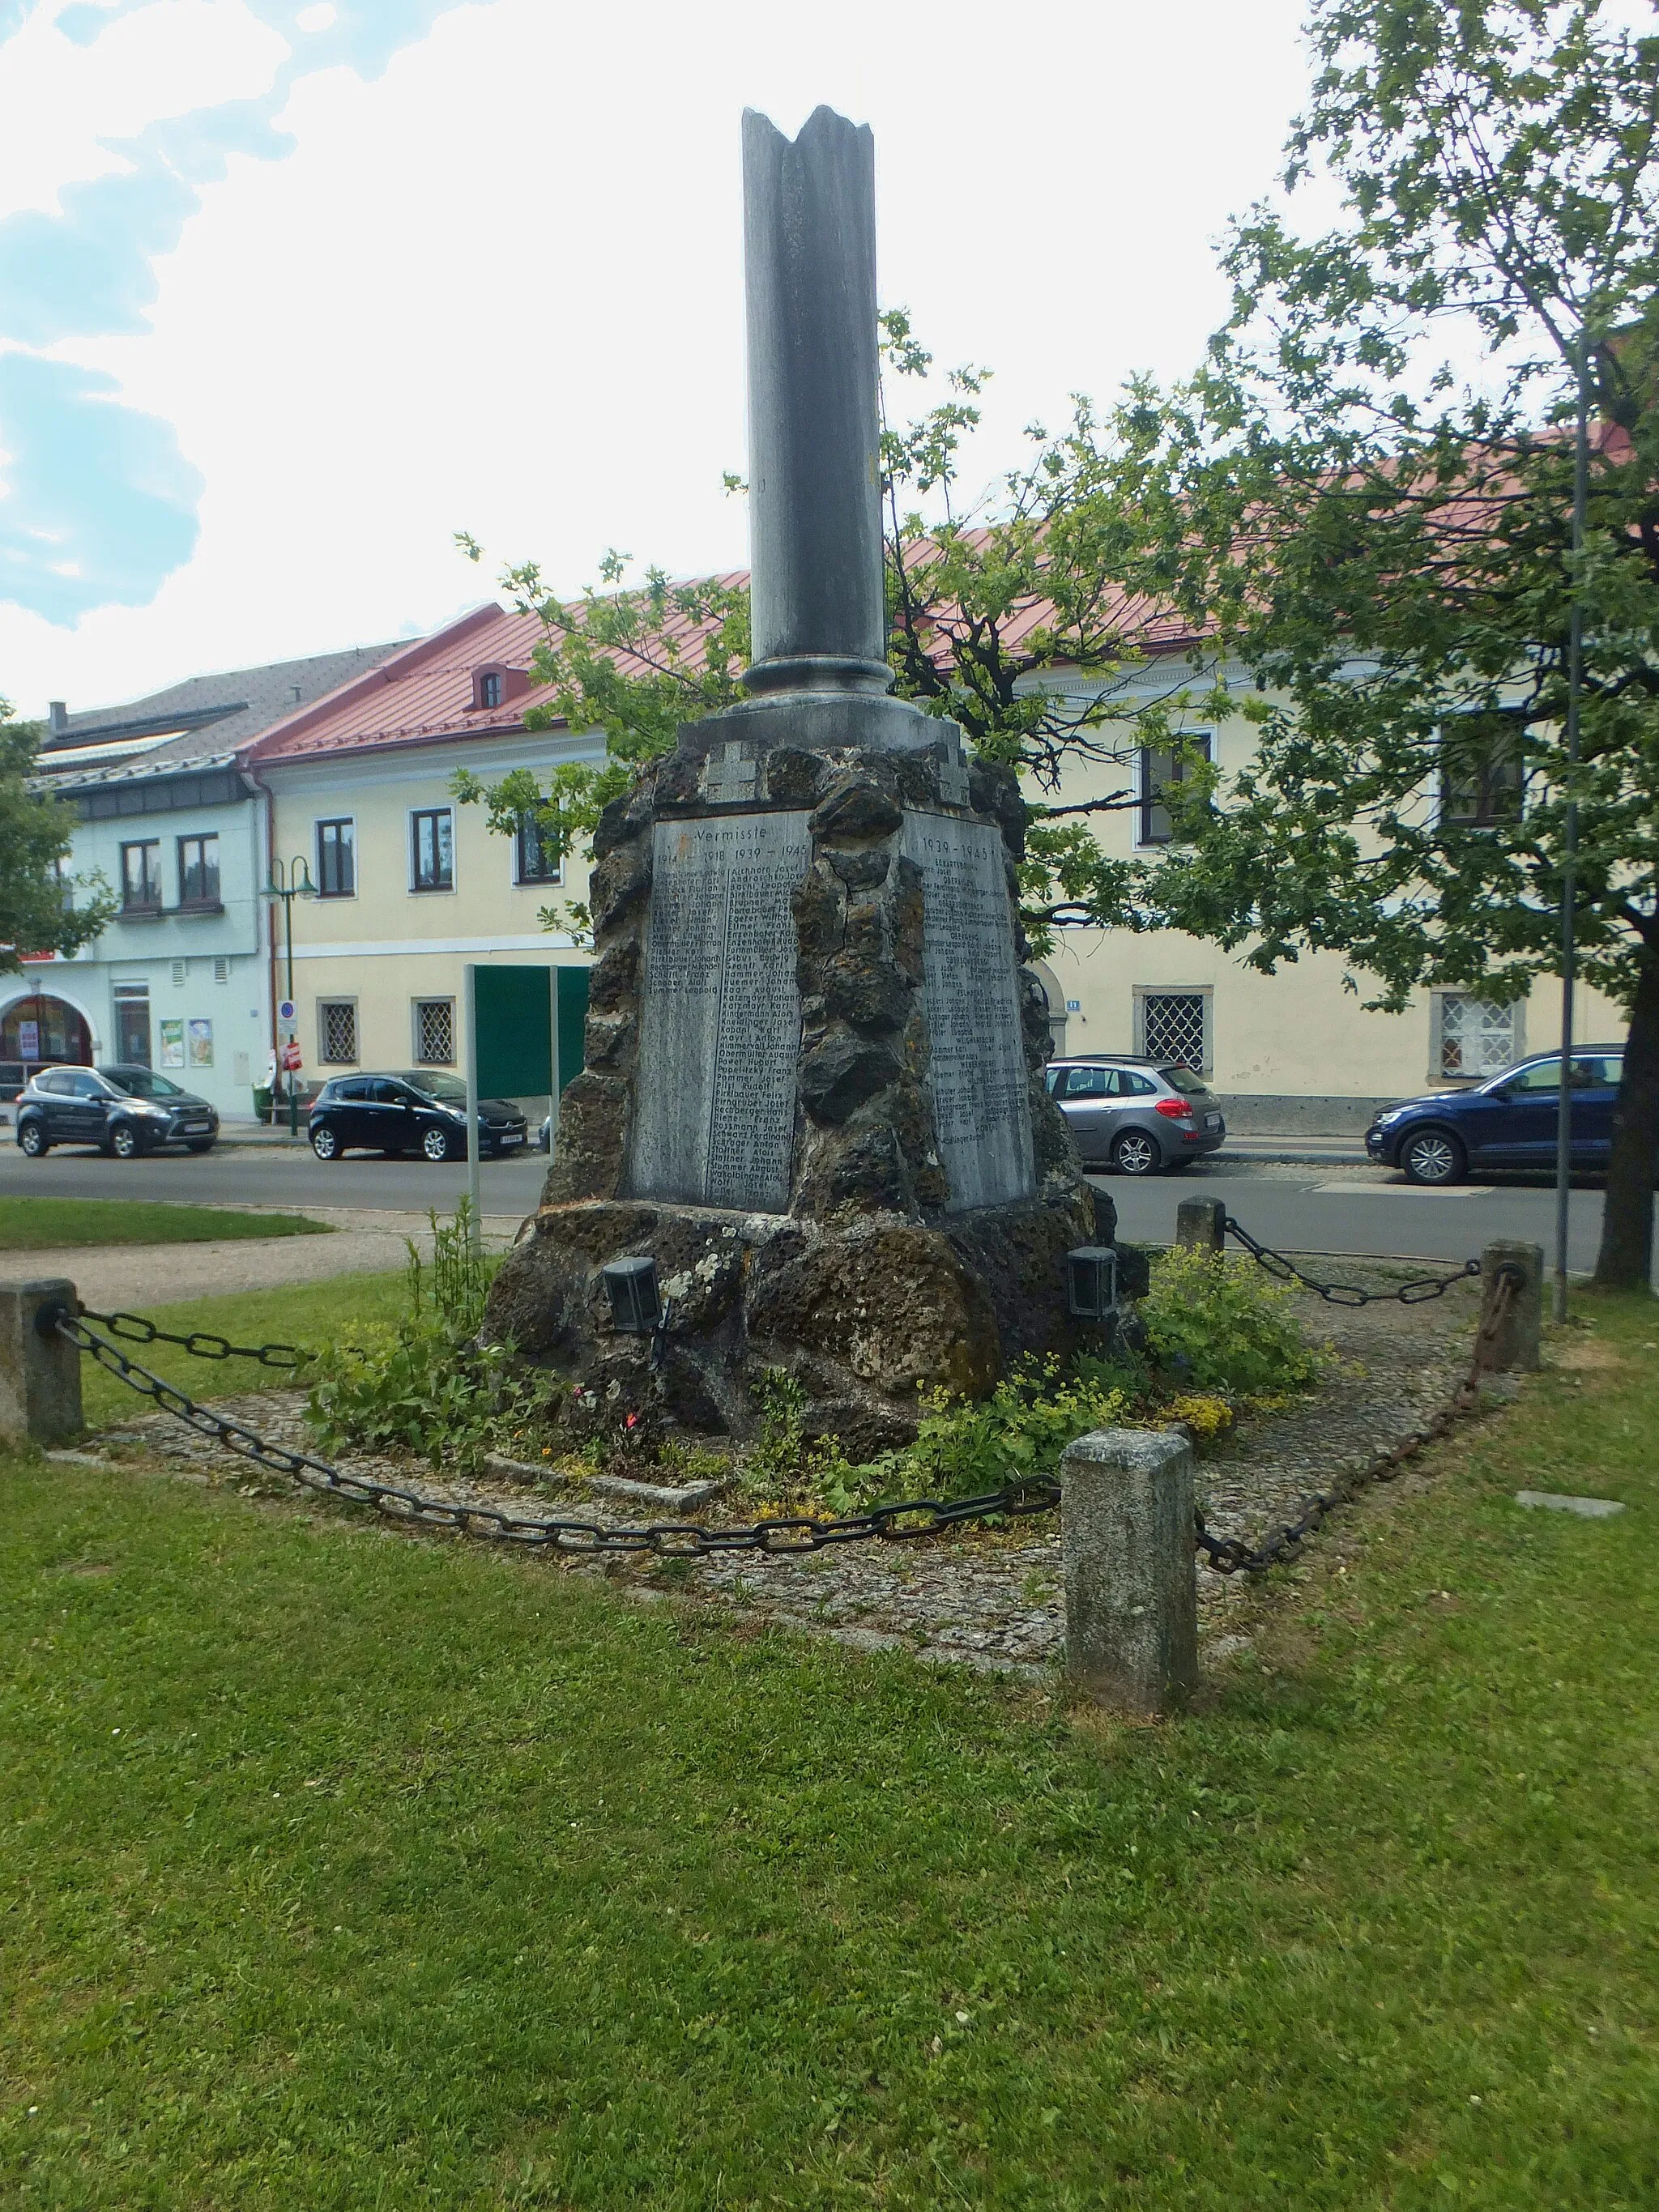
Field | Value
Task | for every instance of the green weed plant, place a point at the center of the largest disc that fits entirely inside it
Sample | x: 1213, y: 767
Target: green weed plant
x: 423, y: 1384
x: 1226, y: 1328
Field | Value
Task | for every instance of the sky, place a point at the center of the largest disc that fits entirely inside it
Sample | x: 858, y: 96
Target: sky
x: 293, y: 290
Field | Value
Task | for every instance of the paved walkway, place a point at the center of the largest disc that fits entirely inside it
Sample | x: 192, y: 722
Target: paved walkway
x: 368, y: 1242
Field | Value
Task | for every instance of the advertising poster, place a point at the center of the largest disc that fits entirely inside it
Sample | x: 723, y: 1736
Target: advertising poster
x: 201, y: 1044
x: 172, y: 1044
x: 28, y: 1039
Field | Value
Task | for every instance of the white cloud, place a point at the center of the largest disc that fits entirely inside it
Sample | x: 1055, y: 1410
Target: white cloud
x: 500, y: 287
x: 61, y: 102
x: 319, y: 18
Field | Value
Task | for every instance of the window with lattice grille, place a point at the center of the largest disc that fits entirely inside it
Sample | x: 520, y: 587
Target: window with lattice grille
x: 1174, y: 1026
x: 336, y: 1025
x: 434, y: 1032
x: 1476, y: 1039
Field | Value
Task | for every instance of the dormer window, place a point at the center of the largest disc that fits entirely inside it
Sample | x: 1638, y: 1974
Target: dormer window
x: 495, y: 685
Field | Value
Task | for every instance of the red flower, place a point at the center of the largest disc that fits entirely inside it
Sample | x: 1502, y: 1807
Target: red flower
x: 632, y: 1422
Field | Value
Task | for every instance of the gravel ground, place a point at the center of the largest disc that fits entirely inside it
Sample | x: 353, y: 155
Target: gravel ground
x: 992, y: 1598
x: 370, y: 1243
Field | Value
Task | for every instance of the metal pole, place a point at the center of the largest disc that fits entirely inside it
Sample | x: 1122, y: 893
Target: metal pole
x: 1570, y: 854
x: 555, y: 1070
x: 293, y: 1092
x: 470, y: 1069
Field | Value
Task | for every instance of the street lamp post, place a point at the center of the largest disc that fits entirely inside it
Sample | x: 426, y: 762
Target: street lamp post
x: 1570, y: 856
x: 287, y: 884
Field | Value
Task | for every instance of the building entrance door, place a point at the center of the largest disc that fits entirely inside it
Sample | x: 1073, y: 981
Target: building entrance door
x: 132, y: 1026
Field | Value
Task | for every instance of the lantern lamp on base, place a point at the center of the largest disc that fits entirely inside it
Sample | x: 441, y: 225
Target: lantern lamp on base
x: 1091, y: 1282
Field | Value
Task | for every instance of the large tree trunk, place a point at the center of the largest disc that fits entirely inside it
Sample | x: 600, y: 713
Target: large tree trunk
x: 1625, y: 1260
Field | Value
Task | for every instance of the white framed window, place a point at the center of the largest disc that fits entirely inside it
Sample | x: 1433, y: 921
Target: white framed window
x: 141, y: 877
x: 536, y: 856
x: 434, y: 1032
x: 336, y: 1032
x: 337, y: 858
x: 1473, y: 1037
x: 1175, y: 1024
x: 198, y: 871
x: 1159, y: 770
x: 432, y: 849
x: 1483, y: 770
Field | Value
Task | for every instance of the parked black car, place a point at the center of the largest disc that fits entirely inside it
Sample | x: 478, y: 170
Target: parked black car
x: 122, y: 1109
x: 418, y: 1111
x: 1508, y: 1122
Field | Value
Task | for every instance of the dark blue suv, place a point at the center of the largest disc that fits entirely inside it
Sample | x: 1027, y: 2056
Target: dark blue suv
x: 1508, y: 1122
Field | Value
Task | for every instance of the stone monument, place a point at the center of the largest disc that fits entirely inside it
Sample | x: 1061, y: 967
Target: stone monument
x: 813, y: 1090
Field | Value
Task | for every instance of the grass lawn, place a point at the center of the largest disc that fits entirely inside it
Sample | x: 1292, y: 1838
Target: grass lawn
x: 303, y: 1313
x: 41, y: 1224
x: 344, y: 1869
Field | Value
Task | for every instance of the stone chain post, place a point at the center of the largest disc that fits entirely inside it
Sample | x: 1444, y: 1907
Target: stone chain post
x: 1514, y: 1347
x: 39, y: 1371
x: 1201, y: 1224
x: 1131, y: 1568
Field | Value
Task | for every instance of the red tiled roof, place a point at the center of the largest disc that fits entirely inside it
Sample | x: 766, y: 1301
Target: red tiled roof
x: 424, y: 693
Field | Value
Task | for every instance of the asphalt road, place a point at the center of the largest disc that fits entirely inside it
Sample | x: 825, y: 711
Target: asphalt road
x: 1359, y: 1211
x: 266, y: 1174
x: 1315, y: 1209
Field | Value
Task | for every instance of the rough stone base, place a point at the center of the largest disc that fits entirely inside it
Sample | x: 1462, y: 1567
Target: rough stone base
x: 865, y: 1316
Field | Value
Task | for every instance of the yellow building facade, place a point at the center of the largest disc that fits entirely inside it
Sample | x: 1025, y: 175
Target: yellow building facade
x: 410, y: 886
x: 1296, y: 1051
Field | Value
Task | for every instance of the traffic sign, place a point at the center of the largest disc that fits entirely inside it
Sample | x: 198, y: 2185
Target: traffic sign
x: 285, y: 1011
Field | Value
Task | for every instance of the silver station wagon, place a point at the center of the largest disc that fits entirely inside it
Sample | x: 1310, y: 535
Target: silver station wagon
x: 1135, y: 1116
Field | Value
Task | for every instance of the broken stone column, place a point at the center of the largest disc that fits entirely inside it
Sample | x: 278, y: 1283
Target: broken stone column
x: 813, y: 1085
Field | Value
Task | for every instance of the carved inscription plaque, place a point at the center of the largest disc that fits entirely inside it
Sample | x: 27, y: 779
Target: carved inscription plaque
x: 976, y: 1068
x: 719, y: 1021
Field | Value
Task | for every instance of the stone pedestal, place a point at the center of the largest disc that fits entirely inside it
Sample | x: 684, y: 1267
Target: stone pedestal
x: 813, y: 1093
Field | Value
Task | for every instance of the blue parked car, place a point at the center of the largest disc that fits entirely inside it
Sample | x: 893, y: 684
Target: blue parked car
x: 1508, y: 1122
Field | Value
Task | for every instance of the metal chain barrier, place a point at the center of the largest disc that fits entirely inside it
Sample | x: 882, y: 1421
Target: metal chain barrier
x: 782, y: 1535
x: 1230, y: 1555
x: 1416, y: 1292
x: 205, y: 1343
x: 775, y: 1538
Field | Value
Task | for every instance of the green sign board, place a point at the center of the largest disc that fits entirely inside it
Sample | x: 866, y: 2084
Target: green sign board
x: 519, y: 1030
